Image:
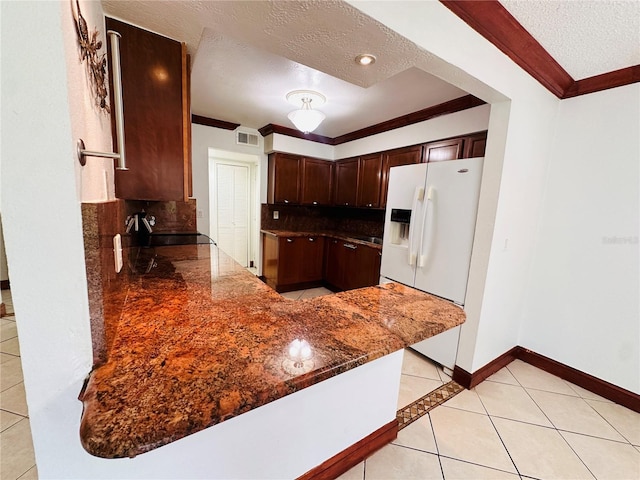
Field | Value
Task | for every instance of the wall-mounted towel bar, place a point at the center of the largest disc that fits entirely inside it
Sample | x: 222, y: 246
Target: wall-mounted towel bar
x: 117, y: 110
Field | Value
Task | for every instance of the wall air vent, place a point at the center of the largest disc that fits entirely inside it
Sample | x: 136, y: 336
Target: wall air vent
x: 245, y: 138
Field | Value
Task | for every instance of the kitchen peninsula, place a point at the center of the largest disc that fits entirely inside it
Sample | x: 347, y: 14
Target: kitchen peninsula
x: 201, y: 341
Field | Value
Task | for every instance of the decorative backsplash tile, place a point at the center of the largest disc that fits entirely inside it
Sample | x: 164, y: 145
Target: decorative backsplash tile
x: 170, y: 217
x: 298, y: 218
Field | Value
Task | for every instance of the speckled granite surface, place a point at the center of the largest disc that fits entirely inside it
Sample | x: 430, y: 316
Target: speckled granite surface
x: 201, y: 340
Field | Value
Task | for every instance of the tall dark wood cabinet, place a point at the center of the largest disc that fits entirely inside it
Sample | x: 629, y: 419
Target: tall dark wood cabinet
x: 346, y: 182
x: 284, y: 178
x: 370, y: 180
x: 155, y: 98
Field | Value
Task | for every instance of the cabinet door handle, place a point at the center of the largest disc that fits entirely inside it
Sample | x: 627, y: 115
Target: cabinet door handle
x: 315, y: 203
x: 346, y: 203
x: 286, y: 201
x: 350, y: 245
x: 289, y: 240
x: 311, y: 239
x: 369, y: 204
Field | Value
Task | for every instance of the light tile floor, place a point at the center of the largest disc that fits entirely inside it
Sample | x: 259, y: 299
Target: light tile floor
x: 521, y: 422
x: 17, y: 460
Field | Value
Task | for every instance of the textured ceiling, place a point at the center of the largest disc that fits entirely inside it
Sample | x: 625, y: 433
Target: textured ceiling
x: 586, y: 38
x: 246, y: 55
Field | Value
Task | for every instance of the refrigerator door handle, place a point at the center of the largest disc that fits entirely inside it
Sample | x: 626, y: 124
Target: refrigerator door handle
x: 417, y: 197
x: 427, y: 240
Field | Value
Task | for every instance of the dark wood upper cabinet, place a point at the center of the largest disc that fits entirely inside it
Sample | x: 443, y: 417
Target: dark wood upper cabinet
x: 346, y: 182
x: 370, y: 180
x: 284, y: 178
x: 475, y: 145
x: 316, y: 181
x: 155, y: 98
x: 396, y: 158
x: 443, y: 150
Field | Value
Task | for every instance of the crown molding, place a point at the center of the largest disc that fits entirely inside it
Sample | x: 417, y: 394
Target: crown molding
x: 452, y: 106
x: 491, y: 20
x: 292, y: 132
x: 617, y: 78
x: 212, y: 122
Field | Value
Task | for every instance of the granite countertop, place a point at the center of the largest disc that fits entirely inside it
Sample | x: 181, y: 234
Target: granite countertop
x: 359, y: 239
x: 201, y: 340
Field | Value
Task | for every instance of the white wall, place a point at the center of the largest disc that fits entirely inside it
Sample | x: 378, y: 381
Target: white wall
x: 283, y: 143
x: 583, y: 296
x: 42, y: 224
x: 4, y: 269
x: 203, y: 138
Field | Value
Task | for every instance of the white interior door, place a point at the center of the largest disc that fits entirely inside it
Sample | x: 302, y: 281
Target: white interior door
x: 232, y: 200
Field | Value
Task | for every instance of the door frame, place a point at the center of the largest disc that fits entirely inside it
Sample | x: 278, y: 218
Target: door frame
x: 217, y: 156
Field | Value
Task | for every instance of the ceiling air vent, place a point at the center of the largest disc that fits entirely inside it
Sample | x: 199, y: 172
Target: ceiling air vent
x: 244, y: 138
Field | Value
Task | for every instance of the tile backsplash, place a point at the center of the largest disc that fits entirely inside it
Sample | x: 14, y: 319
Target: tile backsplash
x: 298, y: 218
x: 171, y: 217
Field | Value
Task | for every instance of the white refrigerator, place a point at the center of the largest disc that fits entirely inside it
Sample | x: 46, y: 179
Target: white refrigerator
x: 430, y: 222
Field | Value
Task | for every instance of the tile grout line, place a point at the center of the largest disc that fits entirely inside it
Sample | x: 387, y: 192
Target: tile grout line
x: 435, y: 441
x: 498, y: 433
x: 558, y: 430
x: 607, y: 421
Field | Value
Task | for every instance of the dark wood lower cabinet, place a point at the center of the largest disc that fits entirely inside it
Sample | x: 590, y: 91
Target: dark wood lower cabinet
x: 349, y: 265
x: 295, y: 263
x: 292, y: 263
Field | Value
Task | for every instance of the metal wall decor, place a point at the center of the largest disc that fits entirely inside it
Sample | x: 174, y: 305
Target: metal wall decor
x: 96, y: 62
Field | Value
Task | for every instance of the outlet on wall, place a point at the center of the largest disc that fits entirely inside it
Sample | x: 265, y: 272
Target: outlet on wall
x: 117, y: 252
x: 199, y: 213
x: 276, y: 215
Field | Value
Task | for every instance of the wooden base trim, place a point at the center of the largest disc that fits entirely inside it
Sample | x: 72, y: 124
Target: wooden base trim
x: 600, y: 387
x: 350, y: 457
x: 470, y: 380
x: 3, y: 309
x: 5, y: 285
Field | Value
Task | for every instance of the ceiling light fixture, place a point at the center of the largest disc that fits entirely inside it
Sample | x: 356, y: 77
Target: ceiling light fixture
x: 365, y: 59
x: 305, y: 119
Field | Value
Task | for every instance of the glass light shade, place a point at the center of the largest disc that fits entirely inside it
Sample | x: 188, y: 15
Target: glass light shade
x: 305, y: 119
